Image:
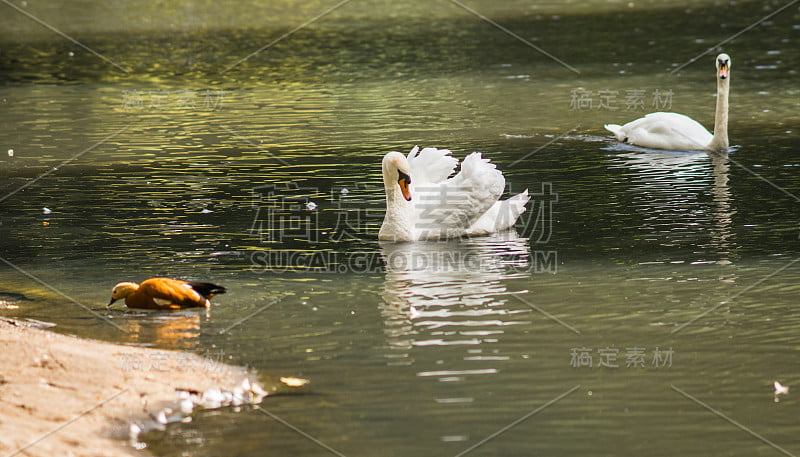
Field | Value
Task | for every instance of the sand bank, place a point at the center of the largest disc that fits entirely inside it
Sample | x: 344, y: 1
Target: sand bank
x: 62, y: 395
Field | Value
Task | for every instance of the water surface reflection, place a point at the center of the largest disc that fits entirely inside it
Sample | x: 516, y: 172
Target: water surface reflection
x: 452, y: 293
x: 685, y: 199
x: 180, y: 329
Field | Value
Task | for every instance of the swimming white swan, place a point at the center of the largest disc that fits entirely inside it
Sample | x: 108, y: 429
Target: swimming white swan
x: 422, y: 203
x: 678, y: 132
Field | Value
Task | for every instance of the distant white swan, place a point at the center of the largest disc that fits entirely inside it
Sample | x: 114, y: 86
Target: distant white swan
x: 422, y: 203
x: 678, y: 132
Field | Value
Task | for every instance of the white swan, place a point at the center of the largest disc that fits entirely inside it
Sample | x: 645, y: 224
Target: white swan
x: 422, y: 203
x: 678, y: 132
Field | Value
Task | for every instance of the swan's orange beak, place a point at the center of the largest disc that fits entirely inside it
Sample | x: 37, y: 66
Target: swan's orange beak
x: 723, y: 70
x: 404, y: 182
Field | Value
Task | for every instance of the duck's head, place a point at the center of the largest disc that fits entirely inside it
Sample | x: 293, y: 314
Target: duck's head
x: 396, y: 171
x: 122, y: 290
x: 723, y: 66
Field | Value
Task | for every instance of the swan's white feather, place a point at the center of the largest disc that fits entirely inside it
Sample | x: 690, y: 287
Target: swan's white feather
x: 466, y: 204
x: 501, y: 216
x: 663, y: 131
x: 431, y: 165
x: 616, y: 129
x: 447, y: 208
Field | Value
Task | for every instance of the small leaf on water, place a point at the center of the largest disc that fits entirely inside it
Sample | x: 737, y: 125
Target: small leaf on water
x: 294, y: 382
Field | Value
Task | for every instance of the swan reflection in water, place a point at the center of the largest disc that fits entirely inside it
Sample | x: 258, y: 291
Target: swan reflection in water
x: 672, y: 190
x: 451, y: 293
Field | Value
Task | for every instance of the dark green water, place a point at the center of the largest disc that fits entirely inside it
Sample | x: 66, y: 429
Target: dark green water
x: 173, y: 165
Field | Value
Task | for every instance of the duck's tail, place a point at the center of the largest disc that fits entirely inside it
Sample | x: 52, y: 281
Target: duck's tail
x: 206, y: 289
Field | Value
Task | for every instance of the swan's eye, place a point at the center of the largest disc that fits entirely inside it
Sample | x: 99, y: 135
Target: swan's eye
x: 404, y: 181
x: 403, y: 176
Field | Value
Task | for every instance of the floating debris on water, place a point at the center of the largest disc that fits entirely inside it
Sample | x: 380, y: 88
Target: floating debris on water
x: 311, y: 206
x: 258, y: 393
x: 133, y: 436
x: 780, y: 389
x: 161, y: 417
x: 248, y: 392
x: 211, y: 399
x: 294, y: 382
x: 238, y: 396
x: 46, y: 210
x: 185, y: 402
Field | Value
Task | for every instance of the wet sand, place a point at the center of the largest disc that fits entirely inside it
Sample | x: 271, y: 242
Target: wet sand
x: 62, y: 395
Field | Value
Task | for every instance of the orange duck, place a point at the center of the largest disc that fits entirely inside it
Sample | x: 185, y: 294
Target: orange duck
x: 165, y: 293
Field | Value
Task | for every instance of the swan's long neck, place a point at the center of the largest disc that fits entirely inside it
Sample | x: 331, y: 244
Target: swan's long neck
x: 399, y: 221
x: 720, y: 140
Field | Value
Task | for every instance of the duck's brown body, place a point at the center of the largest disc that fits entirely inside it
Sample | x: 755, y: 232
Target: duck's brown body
x: 166, y: 293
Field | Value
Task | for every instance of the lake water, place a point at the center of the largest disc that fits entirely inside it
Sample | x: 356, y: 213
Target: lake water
x: 673, y: 274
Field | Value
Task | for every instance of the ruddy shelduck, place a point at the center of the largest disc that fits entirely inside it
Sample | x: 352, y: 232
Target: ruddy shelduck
x: 165, y: 293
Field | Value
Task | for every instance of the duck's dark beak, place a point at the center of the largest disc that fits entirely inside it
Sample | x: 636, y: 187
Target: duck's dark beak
x: 111, y: 302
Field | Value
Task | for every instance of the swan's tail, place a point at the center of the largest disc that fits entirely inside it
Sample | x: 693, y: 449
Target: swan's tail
x: 501, y: 216
x: 616, y: 129
x: 517, y: 203
x: 510, y: 210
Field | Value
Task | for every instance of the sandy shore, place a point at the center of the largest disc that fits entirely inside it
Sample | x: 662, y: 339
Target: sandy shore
x: 63, y: 396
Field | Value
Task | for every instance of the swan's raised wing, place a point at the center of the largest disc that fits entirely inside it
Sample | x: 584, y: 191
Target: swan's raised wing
x: 430, y: 166
x: 485, y: 181
x: 448, y: 209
